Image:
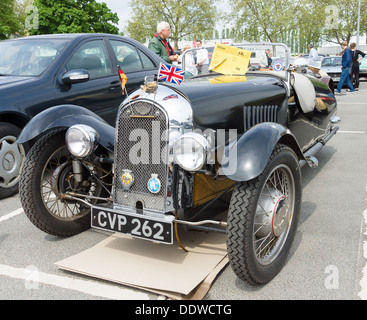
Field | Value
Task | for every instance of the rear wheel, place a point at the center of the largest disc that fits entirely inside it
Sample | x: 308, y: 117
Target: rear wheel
x: 46, y: 177
x: 262, y: 219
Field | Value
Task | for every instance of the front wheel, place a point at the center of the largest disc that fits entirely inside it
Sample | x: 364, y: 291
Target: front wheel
x: 262, y: 218
x: 46, y: 178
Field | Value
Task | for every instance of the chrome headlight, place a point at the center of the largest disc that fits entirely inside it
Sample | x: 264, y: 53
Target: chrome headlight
x: 81, y: 140
x: 190, y: 151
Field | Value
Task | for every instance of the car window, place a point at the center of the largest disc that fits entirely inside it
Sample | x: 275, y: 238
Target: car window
x: 28, y: 57
x: 93, y: 57
x: 127, y: 56
x: 147, y: 63
x: 332, y: 62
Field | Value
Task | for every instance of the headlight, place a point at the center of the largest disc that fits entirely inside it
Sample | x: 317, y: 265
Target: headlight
x: 190, y: 151
x: 81, y: 140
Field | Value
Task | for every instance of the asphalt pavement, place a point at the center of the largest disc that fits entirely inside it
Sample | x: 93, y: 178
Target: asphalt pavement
x: 328, y: 259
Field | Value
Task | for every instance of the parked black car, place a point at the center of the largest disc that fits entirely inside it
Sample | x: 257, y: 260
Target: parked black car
x: 178, y: 155
x: 39, y: 72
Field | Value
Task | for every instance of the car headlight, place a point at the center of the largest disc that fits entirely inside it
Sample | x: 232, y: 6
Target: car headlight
x: 190, y: 151
x: 81, y: 140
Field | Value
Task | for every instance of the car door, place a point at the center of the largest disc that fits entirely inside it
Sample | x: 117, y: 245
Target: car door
x: 102, y: 94
x: 134, y: 63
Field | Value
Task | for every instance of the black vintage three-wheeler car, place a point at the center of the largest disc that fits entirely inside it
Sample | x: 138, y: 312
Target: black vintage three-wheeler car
x: 182, y: 154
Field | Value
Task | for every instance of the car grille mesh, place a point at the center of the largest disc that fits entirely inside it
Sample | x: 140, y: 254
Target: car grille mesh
x: 254, y: 115
x: 141, y: 136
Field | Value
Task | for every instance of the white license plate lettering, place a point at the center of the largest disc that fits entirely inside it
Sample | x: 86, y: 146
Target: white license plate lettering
x: 141, y: 227
x: 136, y: 231
x: 158, y: 235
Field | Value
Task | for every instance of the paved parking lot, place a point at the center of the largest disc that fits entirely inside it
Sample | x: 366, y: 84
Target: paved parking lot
x: 328, y: 259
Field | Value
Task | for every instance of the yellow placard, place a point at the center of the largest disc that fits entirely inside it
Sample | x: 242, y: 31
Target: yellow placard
x: 229, y: 60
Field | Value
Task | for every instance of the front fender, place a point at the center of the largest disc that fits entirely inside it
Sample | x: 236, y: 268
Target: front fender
x: 247, y: 158
x: 65, y: 116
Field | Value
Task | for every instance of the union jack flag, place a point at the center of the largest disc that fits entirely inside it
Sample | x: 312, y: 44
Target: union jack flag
x: 170, y: 73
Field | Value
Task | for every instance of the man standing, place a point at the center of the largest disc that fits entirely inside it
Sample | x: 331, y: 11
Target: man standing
x: 346, y: 64
x: 266, y: 60
x: 313, y: 56
x: 202, y: 58
x: 159, y: 44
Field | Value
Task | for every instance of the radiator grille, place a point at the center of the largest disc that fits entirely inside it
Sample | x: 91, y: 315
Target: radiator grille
x: 254, y: 115
x: 138, y: 149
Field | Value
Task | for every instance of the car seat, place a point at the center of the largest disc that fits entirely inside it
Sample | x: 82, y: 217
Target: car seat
x: 93, y: 64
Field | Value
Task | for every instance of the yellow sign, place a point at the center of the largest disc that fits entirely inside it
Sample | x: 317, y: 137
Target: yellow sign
x: 229, y: 60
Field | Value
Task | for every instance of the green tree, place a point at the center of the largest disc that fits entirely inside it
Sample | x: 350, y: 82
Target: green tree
x: 188, y: 19
x: 269, y: 20
x: 8, y: 21
x: 341, y: 18
x: 74, y: 16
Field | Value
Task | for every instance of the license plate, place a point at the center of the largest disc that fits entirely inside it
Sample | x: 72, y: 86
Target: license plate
x: 136, y: 225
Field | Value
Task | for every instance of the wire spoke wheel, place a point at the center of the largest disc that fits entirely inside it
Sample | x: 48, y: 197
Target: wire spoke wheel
x: 262, y: 218
x: 48, y: 176
x: 273, y: 215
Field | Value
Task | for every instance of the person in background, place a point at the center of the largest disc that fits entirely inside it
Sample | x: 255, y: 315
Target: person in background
x: 159, y: 44
x: 346, y: 65
x: 266, y: 59
x: 313, y: 56
x: 357, y: 55
x: 202, y: 58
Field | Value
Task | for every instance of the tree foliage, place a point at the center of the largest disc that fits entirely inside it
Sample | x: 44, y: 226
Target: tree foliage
x: 9, y: 23
x: 74, y: 16
x: 188, y: 19
x: 297, y: 22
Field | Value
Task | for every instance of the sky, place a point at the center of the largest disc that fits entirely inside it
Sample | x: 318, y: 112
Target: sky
x: 122, y: 8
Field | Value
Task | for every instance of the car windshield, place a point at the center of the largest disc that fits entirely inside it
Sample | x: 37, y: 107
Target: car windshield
x: 332, y: 62
x: 25, y: 57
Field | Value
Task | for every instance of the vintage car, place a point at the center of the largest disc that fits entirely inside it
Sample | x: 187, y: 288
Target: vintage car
x: 183, y: 155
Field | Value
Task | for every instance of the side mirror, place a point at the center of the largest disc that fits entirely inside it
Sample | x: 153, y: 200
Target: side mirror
x: 75, y: 76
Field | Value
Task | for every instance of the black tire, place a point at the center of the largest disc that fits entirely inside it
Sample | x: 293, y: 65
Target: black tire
x: 263, y: 217
x: 46, y: 175
x: 11, y: 159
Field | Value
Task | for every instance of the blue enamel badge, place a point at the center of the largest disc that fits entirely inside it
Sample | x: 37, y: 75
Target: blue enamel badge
x: 154, y: 184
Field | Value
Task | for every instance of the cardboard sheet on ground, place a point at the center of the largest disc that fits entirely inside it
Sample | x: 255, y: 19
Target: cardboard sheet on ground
x: 159, y: 268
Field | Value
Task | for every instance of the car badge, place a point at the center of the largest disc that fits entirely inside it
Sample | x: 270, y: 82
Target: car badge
x: 127, y: 179
x: 172, y: 96
x: 154, y: 184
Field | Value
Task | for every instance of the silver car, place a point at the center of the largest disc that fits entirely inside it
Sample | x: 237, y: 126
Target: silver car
x: 332, y: 65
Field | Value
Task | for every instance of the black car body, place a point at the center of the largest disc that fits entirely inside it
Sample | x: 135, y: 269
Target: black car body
x: 39, y: 72
x: 182, y: 155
